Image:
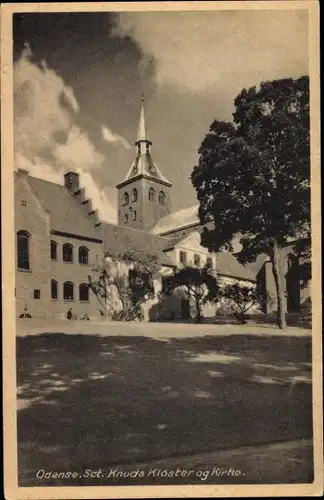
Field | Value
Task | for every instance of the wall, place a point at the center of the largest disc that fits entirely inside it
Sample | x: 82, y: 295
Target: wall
x: 147, y: 212
x: 76, y: 273
x: 191, y: 245
x: 33, y: 219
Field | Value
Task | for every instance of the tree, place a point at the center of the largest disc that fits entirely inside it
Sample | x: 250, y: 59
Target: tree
x: 198, y: 284
x: 241, y: 298
x: 253, y: 176
x: 125, y: 282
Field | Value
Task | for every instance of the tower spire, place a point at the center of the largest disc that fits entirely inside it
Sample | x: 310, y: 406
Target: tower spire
x: 141, y: 133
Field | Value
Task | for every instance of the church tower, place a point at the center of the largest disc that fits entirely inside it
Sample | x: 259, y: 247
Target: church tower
x: 144, y: 194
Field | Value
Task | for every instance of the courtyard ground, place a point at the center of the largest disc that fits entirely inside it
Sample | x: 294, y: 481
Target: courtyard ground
x: 129, y: 396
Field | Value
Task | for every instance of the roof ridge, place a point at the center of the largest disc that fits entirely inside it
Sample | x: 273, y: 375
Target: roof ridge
x: 137, y: 230
x: 44, y: 180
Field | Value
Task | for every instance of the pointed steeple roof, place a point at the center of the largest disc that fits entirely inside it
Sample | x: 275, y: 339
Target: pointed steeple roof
x: 143, y: 164
x: 141, y: 132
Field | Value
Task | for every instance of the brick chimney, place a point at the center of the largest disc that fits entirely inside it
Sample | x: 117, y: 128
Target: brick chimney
x: 72, y: 181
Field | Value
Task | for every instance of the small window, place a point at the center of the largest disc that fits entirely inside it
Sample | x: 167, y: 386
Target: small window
x: 84, y: 292
x: 68, y: 291
x: 197, y: 260
x: 125, y: 218
x: 23, y: 244
x: 36, y: 294
x: 126, y: 199
x: 67, y: 252
x: 135, y: 195
x: 151, y: 194
x: 23, y: 203
x: 164, y: 282
x: 83, y: 255
x: 161, y: 198
x: 134, y: 215
x: 183, y: 257
x: 209, y: 262
x: 54, y: 289
x: 53, y: 250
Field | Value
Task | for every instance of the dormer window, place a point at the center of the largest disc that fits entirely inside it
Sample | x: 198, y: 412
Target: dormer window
x: 151, y: 194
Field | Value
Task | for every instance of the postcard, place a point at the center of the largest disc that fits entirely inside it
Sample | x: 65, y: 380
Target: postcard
x: 161, y: 249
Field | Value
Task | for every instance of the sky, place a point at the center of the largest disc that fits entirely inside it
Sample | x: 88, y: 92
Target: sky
x: 78, y: 80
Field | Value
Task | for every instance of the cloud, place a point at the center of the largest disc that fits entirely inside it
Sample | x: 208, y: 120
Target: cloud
x: 199, y: 51
x: 78, y: 152
x: 99, y: 196
x: 47, y: 140
x: 109, y: 136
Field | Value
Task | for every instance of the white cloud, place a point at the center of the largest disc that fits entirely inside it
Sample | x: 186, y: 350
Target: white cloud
x: 110, y: 136
x: 78, y: 151
x: 44, y: 127
x: 197, y: 51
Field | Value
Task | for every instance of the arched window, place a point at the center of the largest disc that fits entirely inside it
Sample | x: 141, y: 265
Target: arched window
x: 134, y: 215
x: 135, y: 194
x: 151, y: 194
x: 54, y: 289
x: 53, y: 250
x: 84, y: 292
x: 68, y: 290
x: 67, y: 252
x: 125, y: 218
x: 161, y: 198
x: 83, y: 255
x: 23, y: 250
x: 126, y: 199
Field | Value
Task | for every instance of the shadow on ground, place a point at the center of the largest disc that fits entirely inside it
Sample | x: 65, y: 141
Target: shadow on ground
x: 86, y: 401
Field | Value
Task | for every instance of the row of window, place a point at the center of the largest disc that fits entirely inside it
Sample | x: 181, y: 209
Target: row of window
x: 197, y: 260
x: 151, y: 196
x: 68, y: 291
x: 67, y: 253
x: 23, y: 251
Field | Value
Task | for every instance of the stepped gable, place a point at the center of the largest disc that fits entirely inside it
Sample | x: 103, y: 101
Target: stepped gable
x: 67, y: 215
x: 118, y: 239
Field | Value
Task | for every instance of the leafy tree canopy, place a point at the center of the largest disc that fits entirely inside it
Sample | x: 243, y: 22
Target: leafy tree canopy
x: 253, y: 176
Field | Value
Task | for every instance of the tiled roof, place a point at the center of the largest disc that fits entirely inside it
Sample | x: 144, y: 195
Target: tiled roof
x: 66, y: 212
x: 257, y: 264
x: 176, y: 220
x: 119, y: 239
x: 228, y: 265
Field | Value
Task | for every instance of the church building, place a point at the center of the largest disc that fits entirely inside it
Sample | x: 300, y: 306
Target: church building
x: 60, y: 241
